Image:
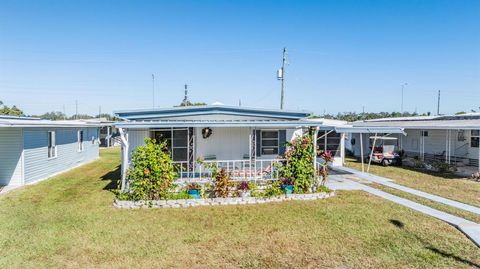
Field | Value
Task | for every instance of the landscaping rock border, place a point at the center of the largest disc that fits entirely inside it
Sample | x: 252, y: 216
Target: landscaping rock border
x: 182, y: 203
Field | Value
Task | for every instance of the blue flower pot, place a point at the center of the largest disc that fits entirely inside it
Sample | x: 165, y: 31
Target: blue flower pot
x: 194, y: 194
x: 288, y: 189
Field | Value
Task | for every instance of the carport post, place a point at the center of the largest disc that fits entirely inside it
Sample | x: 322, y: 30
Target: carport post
x: 361, y: 152
x: 124, y: 139
x: 371, y: 154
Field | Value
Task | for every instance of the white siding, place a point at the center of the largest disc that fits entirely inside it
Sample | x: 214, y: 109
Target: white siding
x: 224, y: 143
x: 37, y: 164
x: 136, y: 138
x: 11, y: 145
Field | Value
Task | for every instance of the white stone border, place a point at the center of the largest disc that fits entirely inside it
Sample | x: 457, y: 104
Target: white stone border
x: 181, y: 203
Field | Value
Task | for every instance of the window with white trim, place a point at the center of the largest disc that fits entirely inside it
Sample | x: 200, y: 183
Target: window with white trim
x: 269, y: 142
x: 52, y: 145
x: 474, y: 138
x: 80, y: 140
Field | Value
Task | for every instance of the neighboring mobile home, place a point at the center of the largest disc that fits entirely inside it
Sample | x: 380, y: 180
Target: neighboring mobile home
x: 246, y: 141
x: 452, y: 139
x: 33, y: 149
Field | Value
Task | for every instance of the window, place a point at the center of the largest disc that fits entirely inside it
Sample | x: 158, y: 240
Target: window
x: 80, y: 140
x: 424, y: 133
x: 269, y: 142
x: 475, y: 138
x: 52, y: 145
x: 177, y: 142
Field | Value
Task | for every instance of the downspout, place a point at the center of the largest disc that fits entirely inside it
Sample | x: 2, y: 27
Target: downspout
x: 315, y: 134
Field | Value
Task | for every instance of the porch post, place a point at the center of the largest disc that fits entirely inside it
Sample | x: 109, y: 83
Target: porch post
x: 315, y: 147
x: 361, y: 151
x: 371, y: 154
x: 446, y: 146
x: 342, y: 148
x: 124, y: 139
x: 108, y: 135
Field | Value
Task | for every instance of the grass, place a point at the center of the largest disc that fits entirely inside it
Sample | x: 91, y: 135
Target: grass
x: 69, y: 221
x: 446, y: 185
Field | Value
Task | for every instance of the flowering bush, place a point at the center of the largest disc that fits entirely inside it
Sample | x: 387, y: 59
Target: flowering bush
x: 298, y: 166
x: 152, y: 173
x: 243, y: 186
x: 327, y: 157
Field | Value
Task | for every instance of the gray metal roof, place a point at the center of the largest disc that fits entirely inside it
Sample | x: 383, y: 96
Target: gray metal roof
x: 143, y: 114
x: 215, y: 123
x: 424, y: 124
x: 38, y: 123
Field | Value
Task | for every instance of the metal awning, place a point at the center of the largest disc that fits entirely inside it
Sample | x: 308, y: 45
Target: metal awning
x: 370, y: 130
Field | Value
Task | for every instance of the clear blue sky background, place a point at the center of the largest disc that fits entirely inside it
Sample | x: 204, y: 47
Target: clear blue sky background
x: 342, y: 55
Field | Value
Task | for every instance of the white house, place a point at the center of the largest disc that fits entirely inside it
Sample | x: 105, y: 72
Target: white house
x: 246, y: 141
x: 452, y: 139
x: 33, y: 149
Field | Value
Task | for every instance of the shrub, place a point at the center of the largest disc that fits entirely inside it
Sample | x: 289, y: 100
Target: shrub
x: 193, y: 186
x: 243, y: 186
x: 444, y: 167
x: 299, y: 165
x: 286, y: 181
x: 152, y: 173
x: 273, y: 189
x: 223, y: 184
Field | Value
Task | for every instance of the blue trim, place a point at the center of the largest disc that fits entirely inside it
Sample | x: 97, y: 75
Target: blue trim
x: 209, y: 110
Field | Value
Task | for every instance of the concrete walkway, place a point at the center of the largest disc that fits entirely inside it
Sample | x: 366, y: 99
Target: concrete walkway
x: 389, y: 183
x: 469, y: 228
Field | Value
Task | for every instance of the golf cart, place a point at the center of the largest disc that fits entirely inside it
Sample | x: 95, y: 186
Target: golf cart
x: 385, y: 153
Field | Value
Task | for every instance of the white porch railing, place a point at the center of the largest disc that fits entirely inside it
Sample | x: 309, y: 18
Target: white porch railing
x: 239, y: 170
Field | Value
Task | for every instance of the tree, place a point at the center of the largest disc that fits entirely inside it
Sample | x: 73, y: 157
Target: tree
x: 54, y: 115
x: 353, y: 116
x: 11, y: 111
x: 188, y: 103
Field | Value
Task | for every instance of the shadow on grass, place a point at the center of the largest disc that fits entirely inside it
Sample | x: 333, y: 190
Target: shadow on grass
x: 112, y: 178
x: 399, y: 224
x: 419, y: 170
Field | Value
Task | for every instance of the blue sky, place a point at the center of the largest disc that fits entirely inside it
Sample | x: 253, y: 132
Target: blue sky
x: 342, y: 55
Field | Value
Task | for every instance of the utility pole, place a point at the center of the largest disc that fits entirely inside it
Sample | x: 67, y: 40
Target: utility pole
x: 239, y: 102
x: 64, y: 114
x: 153, y: 91
x: 438, y: 103
x: 76, y: 109
x: 99, y: 111
x: 281, y: 75
x: 403, y: 88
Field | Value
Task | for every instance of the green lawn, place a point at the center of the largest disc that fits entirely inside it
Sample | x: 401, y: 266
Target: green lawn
x: 448, y: 186
x: 69, y: 221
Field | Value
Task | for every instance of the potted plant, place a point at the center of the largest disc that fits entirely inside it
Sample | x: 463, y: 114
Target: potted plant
x: 193, y: 190
x: 287, y: 185
x: 243, y: 189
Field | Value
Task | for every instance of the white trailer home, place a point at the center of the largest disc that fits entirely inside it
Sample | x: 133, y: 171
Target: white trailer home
x: 451, y: 139
x: 246, y: 141
x: 33, y: 149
